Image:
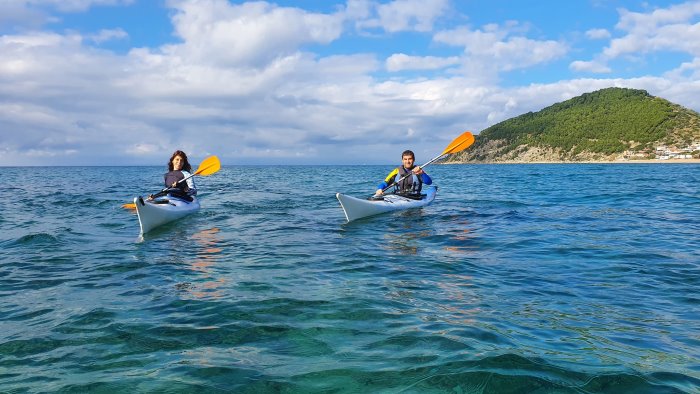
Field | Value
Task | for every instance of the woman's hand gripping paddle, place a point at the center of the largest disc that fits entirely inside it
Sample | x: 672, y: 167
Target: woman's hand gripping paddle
x: 459, y: 144
x: 207, y: 167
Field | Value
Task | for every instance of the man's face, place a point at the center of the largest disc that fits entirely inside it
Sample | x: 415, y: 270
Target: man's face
x: 407, y: 161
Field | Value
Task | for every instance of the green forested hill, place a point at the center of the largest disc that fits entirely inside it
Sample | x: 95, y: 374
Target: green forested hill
x: 598, y: 125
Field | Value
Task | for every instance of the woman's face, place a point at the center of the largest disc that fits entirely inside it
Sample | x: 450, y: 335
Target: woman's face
x: 177, y: 163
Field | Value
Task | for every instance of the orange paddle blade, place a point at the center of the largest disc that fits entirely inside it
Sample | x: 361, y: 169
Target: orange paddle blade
x: 208, y: 166
x: 129, y: 206
x: 460, y: 143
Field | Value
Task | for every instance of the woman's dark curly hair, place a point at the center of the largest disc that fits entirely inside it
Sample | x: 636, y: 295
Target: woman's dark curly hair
x: 185, y: 165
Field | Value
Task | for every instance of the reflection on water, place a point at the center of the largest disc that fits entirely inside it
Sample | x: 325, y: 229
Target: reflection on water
x: 406, y: 243
x: 464, y: 299
x: 408, y: 227
x: 462, y: 239
x: 206, y: 284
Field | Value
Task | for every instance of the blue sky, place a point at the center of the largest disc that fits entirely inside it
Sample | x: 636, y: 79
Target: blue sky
x: 102, y: 82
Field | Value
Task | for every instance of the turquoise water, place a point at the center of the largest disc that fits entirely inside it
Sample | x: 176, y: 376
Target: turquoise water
x: 518, y: 278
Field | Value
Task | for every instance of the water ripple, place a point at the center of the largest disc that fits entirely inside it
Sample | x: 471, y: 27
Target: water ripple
x: 537, y: 278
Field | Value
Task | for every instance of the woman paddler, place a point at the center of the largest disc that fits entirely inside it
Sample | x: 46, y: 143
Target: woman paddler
x: 179, y: 168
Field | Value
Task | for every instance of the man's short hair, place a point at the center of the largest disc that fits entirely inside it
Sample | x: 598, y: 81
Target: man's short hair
x: 408, y: 153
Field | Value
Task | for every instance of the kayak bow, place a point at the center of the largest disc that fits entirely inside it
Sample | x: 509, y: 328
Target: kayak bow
x: 162, y: 210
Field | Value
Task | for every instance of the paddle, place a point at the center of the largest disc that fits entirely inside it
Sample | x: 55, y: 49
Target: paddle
x: 207, y: 167
x: 459, y: 144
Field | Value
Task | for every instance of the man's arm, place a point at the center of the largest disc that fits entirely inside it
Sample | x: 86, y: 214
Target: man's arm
x: 389, y: 180
x: 426, y: 178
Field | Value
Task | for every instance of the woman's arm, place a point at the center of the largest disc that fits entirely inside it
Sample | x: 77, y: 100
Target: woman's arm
x: 192, y: 189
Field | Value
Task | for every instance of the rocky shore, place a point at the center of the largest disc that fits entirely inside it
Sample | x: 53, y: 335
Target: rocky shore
x: 493, y: 152
x: 645, y: 161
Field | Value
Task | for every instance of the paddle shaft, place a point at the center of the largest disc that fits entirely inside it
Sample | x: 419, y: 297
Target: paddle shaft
x: 186, y: 178
x: 178, y: 182
x: 132, y: 205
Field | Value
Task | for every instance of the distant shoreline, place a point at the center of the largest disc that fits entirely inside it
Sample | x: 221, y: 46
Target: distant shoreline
x: 649, y: 161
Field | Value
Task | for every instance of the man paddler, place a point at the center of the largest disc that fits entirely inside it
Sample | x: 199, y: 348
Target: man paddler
x: 413, y: 177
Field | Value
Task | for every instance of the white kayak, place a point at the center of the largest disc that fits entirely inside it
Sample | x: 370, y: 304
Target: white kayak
x: 165, y: 209
x: 357, y: 208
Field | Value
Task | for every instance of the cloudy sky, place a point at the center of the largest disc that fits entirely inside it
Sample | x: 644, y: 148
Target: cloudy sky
x: 104, y: 82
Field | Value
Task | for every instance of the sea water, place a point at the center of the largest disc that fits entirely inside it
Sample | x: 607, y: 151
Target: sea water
x: 518, y: 278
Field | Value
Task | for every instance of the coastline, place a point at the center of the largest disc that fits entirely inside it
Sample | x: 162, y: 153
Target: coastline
x: 647, y: 161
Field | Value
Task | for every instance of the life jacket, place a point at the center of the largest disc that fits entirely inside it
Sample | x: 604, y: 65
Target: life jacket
x: 410, y: 185
x: 176, y: 176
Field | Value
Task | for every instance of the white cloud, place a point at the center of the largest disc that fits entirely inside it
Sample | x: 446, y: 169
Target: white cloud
x: 672, y: 29
x: 647, y: 23
x: 144, y: 149
x: 677, y: 37
x: 217, y: 32
x: 16, y: 13
x: 400, y: 62
x: 592, y: 66
x: 34, y: 13
x: 71, y: 5
x: 502, y: 47
x: 598, y: 34
x: 686, y: 70
x: 358, y: 9
x: 108, y: 35
x: 404, y: 15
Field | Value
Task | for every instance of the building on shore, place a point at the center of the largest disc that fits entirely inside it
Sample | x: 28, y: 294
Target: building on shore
x: 664, y: 152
